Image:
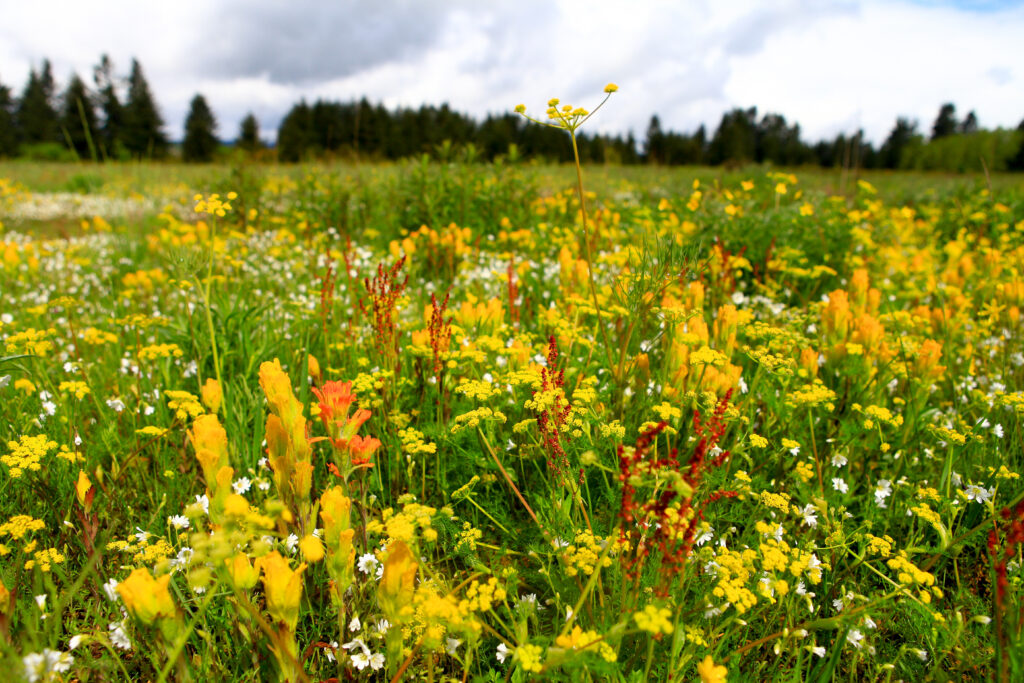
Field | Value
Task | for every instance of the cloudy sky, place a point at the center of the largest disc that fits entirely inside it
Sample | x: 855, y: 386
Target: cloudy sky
x: 831, y: 65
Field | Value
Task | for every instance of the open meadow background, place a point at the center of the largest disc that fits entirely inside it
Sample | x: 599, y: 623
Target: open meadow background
x: 408, y: 381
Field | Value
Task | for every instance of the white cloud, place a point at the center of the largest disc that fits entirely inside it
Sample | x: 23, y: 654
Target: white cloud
x: 830, y: 65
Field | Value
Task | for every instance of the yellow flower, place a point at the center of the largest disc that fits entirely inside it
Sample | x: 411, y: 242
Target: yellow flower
x: 654, y: 620
x: 212, y: 395
x: 312, y: 549
x: 211, y: 443
x: 283, y: 588
x: 395, y: 591
x: 243, y: 575
x: 84, y: 490
x: 710, y: 672
x: 145, y: 597
x: 610, y: 88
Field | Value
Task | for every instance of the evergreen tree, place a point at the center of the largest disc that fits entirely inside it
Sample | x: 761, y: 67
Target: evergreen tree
x: 109, y: 137
x: 901, y: 136
x: 295, y: 135
x: 1017, y: 162
x: 143, y: 134
x: 654, y: 146
x: 249, y: 134
x: 78, y: 118
x: 945, y: 123
x: 37, y: 117
x: 200, y: 141
x: 736, y: 137
x: 8, y: 128
x: 969, y: 124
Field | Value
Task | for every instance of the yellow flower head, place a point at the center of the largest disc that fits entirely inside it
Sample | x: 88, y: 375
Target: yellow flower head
x: 710, y: 672
x: 395, y: 591
x: 212, y: 395
x: 283, y: 588
x: 145, y: 597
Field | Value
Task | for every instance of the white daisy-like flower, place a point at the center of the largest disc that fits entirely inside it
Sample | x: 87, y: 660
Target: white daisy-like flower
x: 840, y: 485
x: 355, y: 624
x: 178, y: 521
x: 978, y: 494
x: 502, y: 652
x: 241, y: 485
x: 118, y: 635
x: 367, y: 563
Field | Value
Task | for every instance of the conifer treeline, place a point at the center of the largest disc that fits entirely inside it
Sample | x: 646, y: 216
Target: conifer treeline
x: 117, y: 118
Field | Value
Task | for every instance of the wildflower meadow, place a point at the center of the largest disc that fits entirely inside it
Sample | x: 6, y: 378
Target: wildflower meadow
x: 460, y: 421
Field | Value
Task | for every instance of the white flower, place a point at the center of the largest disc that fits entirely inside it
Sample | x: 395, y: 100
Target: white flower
x: 451, y: 645
x: 4, y: 381
x: 178, y: 521
x: 291, y: 543
x: 39, y: 666
x: 921, y: 654
x: 367, y: 563
x: 979, y: 494
x: 502, y: 652
x: 110, y: 589
x: 839, y: 460
x: 115, y: 404
x: 882, y: 491
x: 383, y: 625
x: 49, y: 407
x: 118, y: 636
x: 241, y: 485
x: 204, y: 502
x: 840, y: 485
x: 41, y: 601
x: 854, y: 637
x: 810, y: 519
x: 360, y: 660
x: 869, y: 623
x: 76, y: 641
x: 355, y: 624
x: 330, y: 650
x: 820, y: 651
x: 997, y: 431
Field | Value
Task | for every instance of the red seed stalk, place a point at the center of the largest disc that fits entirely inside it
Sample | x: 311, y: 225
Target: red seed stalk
x: 384, y: 290
x: 440, y: 333
x: 551, y: 420
x: 673, y: 532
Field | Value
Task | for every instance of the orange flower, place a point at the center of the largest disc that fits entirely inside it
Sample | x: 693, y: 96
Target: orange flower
x: 335, y: 399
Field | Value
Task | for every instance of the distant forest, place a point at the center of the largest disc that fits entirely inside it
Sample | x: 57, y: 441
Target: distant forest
x: 117, y: 118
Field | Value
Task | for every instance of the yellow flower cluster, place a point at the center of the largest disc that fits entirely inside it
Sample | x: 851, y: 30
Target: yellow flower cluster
x: 154, y: 351
x: 213, y: 204
x: 880, y: 546
x: 18, y: 526
x: 584, y: 553
x: 31, y: 341
x: 26, y: 454
x: 184, y: 404
x: 77, y: 389
x: 43, y: 559
x: 473, y: 418
x: 654, y: 620
x: 779, y: 501
x: 413, y: 442
x: 578, y: 639
x: 480, y: 597
x: 531, y: 657
x: 477, y: 389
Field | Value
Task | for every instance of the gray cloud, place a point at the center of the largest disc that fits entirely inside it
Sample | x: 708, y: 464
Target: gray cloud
x: 306, y: 41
